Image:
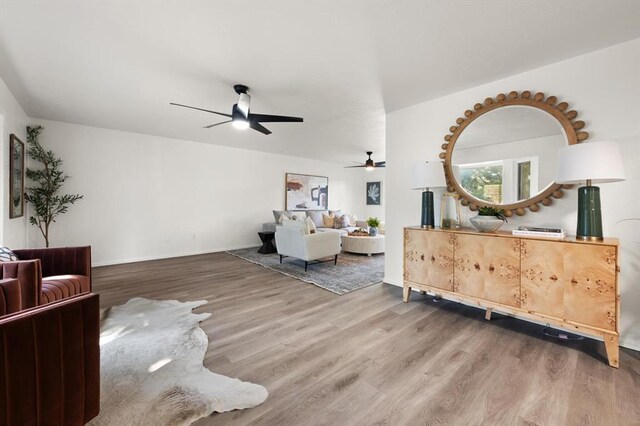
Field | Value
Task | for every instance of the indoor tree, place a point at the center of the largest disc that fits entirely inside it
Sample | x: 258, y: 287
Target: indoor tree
x: 46, y: 182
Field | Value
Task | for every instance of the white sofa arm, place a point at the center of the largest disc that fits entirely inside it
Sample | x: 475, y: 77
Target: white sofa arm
x: 321, y: 245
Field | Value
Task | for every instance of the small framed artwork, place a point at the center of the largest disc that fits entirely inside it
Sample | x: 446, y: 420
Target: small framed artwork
x: 16, y: 177
x: 306, y: 192
x: 374, y: 193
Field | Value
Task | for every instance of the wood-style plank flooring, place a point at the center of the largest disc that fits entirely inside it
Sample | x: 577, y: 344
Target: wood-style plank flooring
x: 366, y: 358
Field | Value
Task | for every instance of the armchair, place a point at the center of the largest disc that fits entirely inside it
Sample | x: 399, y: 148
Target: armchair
x: 291, y: 240
x: 50, y: 274
x: 50, y: 363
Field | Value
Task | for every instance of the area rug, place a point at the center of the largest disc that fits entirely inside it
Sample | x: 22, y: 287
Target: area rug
x: 353, y: 271
x: 151, y: 368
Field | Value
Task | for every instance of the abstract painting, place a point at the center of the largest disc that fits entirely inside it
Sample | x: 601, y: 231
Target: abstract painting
x: 306, y: 192
x: 374, y: 193
x: 16, y: 177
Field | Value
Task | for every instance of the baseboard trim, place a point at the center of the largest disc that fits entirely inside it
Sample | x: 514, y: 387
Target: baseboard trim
x: 168, y: 256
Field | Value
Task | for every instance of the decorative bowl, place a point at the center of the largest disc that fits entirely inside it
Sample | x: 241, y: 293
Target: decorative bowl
x: 486, y: 223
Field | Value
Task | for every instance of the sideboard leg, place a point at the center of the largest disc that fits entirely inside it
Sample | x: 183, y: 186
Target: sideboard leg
x: 406, y: 293
x: 487, y: 315
x: 613, y: 350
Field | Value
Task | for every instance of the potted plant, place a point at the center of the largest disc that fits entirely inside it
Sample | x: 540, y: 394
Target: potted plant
x: 373, y: 223
x: 489, y: 219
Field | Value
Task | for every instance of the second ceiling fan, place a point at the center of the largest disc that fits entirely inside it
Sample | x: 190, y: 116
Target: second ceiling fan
x: 241, y: 117
x: 370, y: 164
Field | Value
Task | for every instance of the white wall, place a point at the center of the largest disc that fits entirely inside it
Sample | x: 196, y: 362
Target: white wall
x: 604, y: 87
x: 12, y: 120
x: 150, y: 197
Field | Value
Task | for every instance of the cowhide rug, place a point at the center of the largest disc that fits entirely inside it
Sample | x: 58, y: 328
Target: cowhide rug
x: 151, y: 355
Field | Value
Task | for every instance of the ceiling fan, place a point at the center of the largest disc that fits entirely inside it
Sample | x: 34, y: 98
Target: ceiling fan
x: 369, y: 164
x: 241, y: 117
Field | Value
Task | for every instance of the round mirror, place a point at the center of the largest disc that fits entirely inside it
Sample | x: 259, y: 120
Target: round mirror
x: 503, y: 153
x: 508, y: 154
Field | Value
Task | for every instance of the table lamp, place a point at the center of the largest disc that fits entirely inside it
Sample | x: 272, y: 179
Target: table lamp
x: 428, y: 175
x: 594, y: 162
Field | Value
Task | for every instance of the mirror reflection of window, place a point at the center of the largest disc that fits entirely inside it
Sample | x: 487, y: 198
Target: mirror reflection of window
x: 524, y: 180
x: 508, y: 154
x: 483, y: 181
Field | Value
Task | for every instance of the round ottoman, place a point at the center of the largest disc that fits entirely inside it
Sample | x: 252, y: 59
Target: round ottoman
x: 363, y: 245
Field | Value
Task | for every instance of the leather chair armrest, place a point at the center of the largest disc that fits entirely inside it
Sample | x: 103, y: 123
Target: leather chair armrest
x: 10, y: 297
x: 50, y: 363
x: 29, y: 273
x: 61, y: 260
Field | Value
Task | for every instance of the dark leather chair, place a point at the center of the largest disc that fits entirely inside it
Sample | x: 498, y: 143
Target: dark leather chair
x: 50, y: 274
x: 50, y: 363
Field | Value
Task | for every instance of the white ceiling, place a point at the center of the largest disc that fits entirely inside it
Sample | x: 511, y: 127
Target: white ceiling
x: 338, y: 64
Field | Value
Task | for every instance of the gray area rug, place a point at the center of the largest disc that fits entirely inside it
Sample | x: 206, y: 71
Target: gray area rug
x: 353, y: 271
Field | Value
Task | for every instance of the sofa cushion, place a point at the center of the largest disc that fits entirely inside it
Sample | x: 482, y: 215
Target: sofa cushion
x: 63, y: 286
x: 316, y: 216
x: 278, y: 215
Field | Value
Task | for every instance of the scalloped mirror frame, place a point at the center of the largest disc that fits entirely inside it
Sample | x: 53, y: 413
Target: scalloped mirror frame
x: 560, y: 111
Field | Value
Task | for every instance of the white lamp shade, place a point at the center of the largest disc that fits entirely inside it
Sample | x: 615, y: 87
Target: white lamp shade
x: 598, y: 161
x: 428, y: 175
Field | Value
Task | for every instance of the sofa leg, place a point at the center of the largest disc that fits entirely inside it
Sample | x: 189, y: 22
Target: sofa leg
x: 280, y: 258
x: 335, y: 260
x: 305, y: 265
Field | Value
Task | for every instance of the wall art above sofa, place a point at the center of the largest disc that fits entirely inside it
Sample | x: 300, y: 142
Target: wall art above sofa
x: 306, y: 192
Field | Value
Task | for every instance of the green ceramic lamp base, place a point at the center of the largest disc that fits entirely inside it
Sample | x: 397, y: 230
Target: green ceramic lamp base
x: 589, y: 214
x: 427, y: 220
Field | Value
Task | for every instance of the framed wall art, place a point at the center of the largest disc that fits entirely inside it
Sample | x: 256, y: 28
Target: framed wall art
x: 16, y: 177
x: 374, y: 193
x: 306, y: 192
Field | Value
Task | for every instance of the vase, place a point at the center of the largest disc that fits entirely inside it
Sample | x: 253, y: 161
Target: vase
x: 373, y: 231
x: 486, y: 223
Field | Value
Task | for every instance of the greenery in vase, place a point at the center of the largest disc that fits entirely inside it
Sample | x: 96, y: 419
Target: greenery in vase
x: 373, y: 222
x: 492, y: 211
x: 46, y: 182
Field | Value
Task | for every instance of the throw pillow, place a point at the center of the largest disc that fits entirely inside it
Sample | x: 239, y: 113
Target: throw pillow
x: 279, y: 214
x: 352, y: 219
x: 337, y: 222
x: 346, y: 221
x: 336, y: 213
x: 316, y: 216
x: 328, y: 220
x: 6, y: 255
x: 311, y: 226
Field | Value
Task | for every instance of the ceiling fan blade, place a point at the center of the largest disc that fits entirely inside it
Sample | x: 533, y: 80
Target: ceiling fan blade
x: 350, y: 167
x: 381, y: 164
x: 259, y: 127
x: 266, y: 118
x: 201, y: 109
x: 216, y: 124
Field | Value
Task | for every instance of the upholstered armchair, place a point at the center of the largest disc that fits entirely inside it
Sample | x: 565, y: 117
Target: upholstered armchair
x: 50, y: 274
x: 50, y: 362
x: 292, y: 240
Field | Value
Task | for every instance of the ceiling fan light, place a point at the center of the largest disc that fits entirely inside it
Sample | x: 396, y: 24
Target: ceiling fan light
x: 368, y: 167
x: 240, y: 124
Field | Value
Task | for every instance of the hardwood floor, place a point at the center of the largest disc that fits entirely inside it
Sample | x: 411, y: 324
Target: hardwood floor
x: 366, y: 358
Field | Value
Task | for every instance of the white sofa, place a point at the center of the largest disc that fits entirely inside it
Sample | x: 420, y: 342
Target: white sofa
x: 271, y: 226
x: 292, y: 240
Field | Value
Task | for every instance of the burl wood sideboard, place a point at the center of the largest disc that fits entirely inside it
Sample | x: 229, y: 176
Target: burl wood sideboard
x: 566, y: 283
